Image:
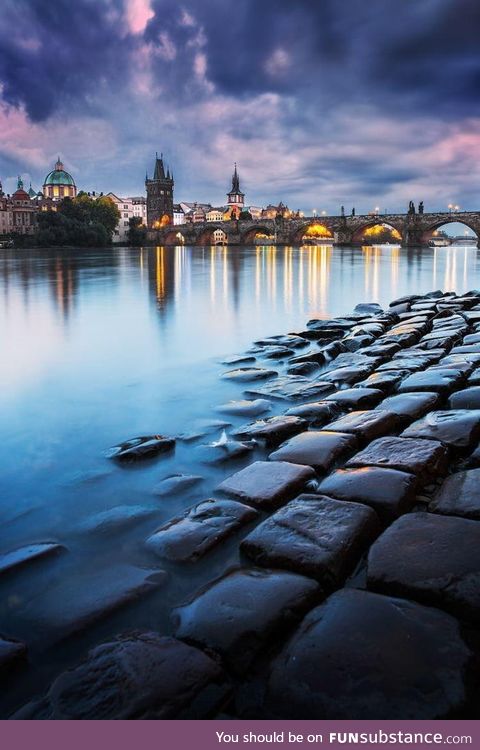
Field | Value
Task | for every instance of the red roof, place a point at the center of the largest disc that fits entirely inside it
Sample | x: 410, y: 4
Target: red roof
x: 20, y: 195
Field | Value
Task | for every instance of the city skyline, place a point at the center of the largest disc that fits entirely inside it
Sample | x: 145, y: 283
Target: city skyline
x: 319, y: 105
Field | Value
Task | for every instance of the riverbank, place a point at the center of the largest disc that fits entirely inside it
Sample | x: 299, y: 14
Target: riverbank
x: 355, y: 508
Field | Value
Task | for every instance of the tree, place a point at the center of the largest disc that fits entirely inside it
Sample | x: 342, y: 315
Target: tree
x: 56, y: 228
x: 137, y: 232
x: 80, y: 221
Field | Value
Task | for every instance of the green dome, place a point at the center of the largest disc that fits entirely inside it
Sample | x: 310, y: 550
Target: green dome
x: 58, y: 176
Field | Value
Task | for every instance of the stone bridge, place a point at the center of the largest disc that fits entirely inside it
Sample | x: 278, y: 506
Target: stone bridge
x: 415, y: 229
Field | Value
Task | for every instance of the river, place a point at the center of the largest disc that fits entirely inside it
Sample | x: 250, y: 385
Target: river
x: 98, y: 346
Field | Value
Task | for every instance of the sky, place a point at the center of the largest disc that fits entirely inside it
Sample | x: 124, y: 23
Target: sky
x: 321, y: 103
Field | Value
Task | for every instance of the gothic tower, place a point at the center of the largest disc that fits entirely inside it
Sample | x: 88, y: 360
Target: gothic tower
x: 159, y: 196
x: 235, y: 197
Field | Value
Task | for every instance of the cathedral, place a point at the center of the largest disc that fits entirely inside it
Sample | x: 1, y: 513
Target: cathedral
x: 159, y: 196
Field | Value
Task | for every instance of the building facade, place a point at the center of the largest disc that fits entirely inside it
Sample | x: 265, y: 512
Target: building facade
x: 159, y: 196
x: 215, y: 214
x: 178, y: 214
x: 18, y: 213
x: 128, y: 208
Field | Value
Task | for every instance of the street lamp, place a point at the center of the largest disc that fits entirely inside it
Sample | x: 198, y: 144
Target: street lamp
x: 450, y: 207
x: 457, y: 208
x: 377, y: 209
x: 324, y: 213
x: 314, y: 212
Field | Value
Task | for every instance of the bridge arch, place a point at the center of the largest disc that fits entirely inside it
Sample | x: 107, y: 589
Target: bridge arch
x: 430, y: 232
x: 251, y: 234
x: 206, y: 235
x: 377, y: 229
x: 174, y: 237
x: 317, y: 229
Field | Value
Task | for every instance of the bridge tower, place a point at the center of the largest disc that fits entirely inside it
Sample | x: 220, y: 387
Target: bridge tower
x: 159, y: 196
x: 235, y: 197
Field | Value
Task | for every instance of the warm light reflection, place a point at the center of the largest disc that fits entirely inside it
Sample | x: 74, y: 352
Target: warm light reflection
x: 160, y: 273
x: 395, y: 263
x: 288, y: 277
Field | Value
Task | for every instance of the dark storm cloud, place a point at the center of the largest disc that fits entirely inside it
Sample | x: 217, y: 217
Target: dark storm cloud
x: 354, y: 98
x: 382, y: 51
x: 60, y: 54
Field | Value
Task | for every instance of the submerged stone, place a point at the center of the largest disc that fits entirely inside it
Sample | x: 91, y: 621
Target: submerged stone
x: 321, y: 450
x: 252, y: 608
x: 238, y: 359
x: 340, y: 663
x: 293, y: 387
x: 272, y: 430
x: 245, y: 408
x: 202, y: 428
x: 424, y: 458
x: 388, y: 491
x: 420, y: 557
x: 16, y: 558
x: 113, y: 519
x: 141, y: 447
x: 189, y: 537
x: 267, y: 483
x: 314, y: 535
x: 276, y: 352
x: 456, y: 429
x: 459, y: 495
x: 223, y: 450
x: 135, y: 676
x: 62, y: 610
x: 176, y: 483
x: 246, y: 374
x: 368, y: 308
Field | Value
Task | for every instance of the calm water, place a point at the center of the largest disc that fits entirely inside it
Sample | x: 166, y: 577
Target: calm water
x: 102, y: 345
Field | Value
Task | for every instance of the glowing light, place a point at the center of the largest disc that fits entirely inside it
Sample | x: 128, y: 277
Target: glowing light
x: 317, y: 230
x: 377, y: 230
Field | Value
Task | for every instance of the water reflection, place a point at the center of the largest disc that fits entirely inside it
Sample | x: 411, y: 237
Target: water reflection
x: 318, y: 271
x: 98, y: 346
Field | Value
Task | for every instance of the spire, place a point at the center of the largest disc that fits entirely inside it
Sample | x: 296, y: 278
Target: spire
x: 58, y: 165
x: 19, y: 183
x: 159, y: 173
x: 235, y: 180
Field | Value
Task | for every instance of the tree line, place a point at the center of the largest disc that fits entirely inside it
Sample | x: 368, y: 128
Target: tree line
x: 86, y: 222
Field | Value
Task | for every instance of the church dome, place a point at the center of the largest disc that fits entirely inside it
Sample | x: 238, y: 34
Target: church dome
x: 59, y: 184
x: 59, y: 176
